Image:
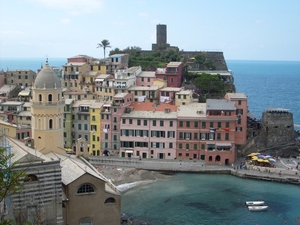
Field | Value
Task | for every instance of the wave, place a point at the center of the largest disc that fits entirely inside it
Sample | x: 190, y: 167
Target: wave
x: 127, y: 186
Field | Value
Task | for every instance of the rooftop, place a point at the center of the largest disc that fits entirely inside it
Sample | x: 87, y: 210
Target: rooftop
x: 219, y: 104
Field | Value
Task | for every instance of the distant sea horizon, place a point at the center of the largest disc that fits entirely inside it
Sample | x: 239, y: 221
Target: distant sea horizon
x: 267, y: 83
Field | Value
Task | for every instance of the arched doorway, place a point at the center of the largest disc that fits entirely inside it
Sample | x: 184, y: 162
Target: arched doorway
x: 218, y: 158
x: 226, y: 161
x: 210, y: 158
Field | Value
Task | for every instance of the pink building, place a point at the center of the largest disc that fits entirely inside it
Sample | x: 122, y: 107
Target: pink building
x: 145, y: 78
x: 172, y: 73
x: 206, y: 131
x: 110, y: 122
x: 240, y: 101
x: 149, y: 131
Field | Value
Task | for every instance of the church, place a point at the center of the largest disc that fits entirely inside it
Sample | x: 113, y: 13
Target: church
x: 58, y: 188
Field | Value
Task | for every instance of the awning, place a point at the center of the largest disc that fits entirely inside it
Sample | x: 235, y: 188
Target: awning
x: 24, y: 93
x: 223, y: 144
x: 128, y: 151
x: 99, y: 79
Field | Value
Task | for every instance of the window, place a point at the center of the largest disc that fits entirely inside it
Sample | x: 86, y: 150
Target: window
x: 203, y: 124
x: 187, y: 146
x: 195, y: 136
x: 110, y: 200
x: 179, y: 96
x: 227, y: 124
x: 123, y: 121
x: 171, y: 123
x: 239, y: 121
x: 154, y: 123
x: 50, y: 124
x: 219, y: 136
x: 171, y: 145
x: 79, y: 126
x: 85, y: 221
x: 85, y: 126
x: 138, y: 122
x: 180, y: 124
x: 187, y: 123
x: 180, y: 135
x: 30, y: 177
x: 130, y: 121
x: 219, y: 125
x: 93, y: 118
x: 195, y: 124
x: 211, y: 124
x: 226, y: 136
x: 145, y: 122
x: 106, y: 136
x: 161, y: 123
x: 240, y: 102
x: 79, y: 117
x: 85, y: 188
x: 180, y: 146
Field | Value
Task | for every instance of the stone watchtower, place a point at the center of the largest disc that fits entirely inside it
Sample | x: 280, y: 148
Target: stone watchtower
x: 277, y: 128
x: 161, y: 37
x: 47, y: 112
x: 161, y: 34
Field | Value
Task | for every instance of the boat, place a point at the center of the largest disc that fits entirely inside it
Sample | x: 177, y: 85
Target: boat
x: 258, y: 208
x: 254, y: 203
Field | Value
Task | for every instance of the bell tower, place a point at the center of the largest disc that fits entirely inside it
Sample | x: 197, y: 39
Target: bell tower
x: 47, y: 112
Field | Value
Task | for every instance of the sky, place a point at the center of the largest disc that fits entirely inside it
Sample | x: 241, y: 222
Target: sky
x: 241, y: 29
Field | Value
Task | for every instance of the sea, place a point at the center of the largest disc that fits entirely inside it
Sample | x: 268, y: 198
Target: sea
x: 193, y: 199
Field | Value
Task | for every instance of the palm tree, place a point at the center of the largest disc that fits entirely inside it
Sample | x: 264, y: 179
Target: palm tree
x: 104, y: 44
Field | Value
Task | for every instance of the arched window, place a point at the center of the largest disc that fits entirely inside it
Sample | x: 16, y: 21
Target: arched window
x: 110, y: 200
x: 30, y: 177
x: 50, y: 124
x: 50, y: 98
x: 40, y: 98
x: 85, y: 221
x: 85, y: 188
x: 210, y: 158
x: 218, y: 158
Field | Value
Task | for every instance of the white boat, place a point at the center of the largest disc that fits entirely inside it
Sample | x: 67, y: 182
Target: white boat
x: 258, y: 208
x: 254, y: 203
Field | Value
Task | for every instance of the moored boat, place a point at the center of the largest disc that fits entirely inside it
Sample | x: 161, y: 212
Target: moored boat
x: 253, y: 203
x: 258, y: 208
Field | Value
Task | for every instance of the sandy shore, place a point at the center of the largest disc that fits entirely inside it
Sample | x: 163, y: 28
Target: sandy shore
x: 124, y: 175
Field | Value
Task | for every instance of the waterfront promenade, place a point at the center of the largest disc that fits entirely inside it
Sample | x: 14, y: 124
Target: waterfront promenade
x: 285, y: 170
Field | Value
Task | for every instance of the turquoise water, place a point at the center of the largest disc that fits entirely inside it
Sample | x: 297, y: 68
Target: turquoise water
x: 211, y: 199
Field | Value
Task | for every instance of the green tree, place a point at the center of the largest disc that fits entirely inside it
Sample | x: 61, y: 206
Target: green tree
x: 104, y: 44
x: 10, y: 178
x: 209, y: 85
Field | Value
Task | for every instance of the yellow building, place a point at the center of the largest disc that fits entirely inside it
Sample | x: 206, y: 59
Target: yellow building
x: 47, y: 111
x: 95, y: 121
x: 8, y: 128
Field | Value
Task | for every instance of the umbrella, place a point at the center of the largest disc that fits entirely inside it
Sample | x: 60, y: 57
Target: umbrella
x: 260, y: 160
x: 254, y: 158
x: 271, y: 160
x: 252, y: 154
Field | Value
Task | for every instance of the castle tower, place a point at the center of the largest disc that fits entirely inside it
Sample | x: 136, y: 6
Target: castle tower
x: 47, y: 112
x: 161, y: 34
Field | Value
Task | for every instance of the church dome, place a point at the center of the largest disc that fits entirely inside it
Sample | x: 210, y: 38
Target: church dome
x: 46, y: 78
